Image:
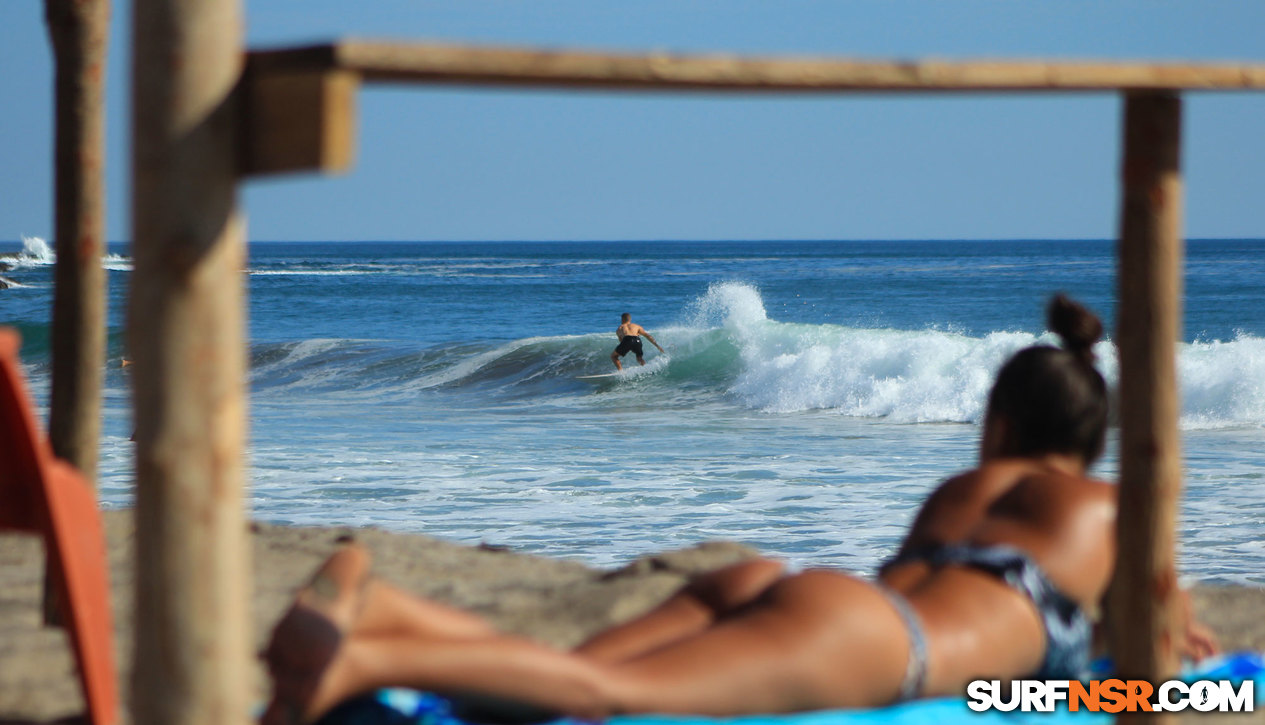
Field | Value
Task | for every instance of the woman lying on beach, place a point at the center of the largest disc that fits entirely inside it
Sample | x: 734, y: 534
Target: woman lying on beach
x: 994, y: 580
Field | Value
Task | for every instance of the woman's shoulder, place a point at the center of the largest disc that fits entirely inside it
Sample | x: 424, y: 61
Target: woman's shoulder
x: 1013, y: 472
x: 1016, y: 489
x: 1008, y: 489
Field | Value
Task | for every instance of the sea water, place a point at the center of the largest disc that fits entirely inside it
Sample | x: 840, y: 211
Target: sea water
x: 811, y: 395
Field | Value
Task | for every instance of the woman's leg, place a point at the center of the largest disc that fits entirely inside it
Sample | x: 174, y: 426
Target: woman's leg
x: 343, y: 591
x: 817, y: 640
x: 341, y: 602
x: 372, y: 607
x: 691, y: 610
x: 390, y: 610
x: 814, y: 640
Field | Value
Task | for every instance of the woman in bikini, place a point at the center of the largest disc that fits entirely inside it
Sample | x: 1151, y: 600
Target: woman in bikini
x: 994, y: 581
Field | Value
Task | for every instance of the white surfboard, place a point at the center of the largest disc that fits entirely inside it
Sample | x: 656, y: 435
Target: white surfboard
x: 598, y: 377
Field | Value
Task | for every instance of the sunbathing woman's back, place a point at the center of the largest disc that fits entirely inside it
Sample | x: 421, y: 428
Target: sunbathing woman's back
x: 1018, y: 552
x: 1062, y: 518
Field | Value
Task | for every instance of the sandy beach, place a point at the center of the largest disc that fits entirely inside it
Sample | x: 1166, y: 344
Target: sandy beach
x: 556, y: 601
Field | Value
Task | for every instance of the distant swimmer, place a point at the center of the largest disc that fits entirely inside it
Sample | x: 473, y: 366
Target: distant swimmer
x: 630, y: 334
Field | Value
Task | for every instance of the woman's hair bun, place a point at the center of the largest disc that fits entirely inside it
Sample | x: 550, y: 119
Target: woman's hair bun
x: 1073, y: 322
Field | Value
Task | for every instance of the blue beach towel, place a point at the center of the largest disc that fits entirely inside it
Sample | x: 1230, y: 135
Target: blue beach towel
x: 409, y: 707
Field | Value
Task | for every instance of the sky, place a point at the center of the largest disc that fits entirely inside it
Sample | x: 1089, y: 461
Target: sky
x: 458, y: 165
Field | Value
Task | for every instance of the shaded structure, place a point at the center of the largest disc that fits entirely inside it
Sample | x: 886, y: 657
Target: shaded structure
x: 204, y: 118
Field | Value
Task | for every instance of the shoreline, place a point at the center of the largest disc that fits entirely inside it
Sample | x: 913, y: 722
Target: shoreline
x: 557, y: 601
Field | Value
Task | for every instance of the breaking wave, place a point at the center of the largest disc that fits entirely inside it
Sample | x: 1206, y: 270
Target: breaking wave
x: 724, y: 345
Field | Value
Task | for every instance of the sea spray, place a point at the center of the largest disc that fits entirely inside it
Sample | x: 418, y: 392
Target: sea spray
x: 36, y: 252
x: 908, y: 377
x: 1222, y: 383
x: 732, y: 305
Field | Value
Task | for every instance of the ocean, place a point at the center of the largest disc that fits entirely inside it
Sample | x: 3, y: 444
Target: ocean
x: 811, y: 395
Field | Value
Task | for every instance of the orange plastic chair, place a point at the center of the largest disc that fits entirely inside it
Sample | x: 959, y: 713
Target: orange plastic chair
x: 41, y: 494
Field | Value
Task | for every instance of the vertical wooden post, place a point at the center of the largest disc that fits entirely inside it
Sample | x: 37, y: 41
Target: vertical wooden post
x: 192, y: 659
x: 1143, y: 602
x: 79, y: 32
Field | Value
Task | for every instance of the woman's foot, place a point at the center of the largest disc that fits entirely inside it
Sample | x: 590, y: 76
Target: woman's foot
x: 304, y: 654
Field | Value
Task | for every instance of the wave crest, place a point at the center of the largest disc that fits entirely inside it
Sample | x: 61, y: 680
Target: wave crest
x: 36, y: 252
x: 727, y: 348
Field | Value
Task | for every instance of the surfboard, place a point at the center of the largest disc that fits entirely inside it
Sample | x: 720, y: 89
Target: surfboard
x: 597, y: 377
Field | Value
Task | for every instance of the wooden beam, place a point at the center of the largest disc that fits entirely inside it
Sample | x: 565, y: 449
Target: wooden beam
x: 300, y: 120
x: 1143, y: 602
x: 192, y: 651
x: 425, y: 63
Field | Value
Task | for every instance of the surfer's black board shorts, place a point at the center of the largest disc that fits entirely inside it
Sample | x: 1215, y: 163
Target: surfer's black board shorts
x: 629, y: 343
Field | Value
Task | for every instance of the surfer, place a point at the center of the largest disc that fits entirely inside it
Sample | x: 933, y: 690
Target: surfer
x: 997, y: 578
x: 630, y: 334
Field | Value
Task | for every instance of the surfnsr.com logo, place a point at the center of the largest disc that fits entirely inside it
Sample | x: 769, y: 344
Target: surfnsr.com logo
x: 1111, y: 696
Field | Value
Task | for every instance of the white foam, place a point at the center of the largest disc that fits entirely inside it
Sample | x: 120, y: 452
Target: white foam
x: 311, y: 272
x: 303, y: 351
x: 655, y: 365
x: 36, y: 252
x: 924, y: 376
x: 1223, y: 383
x: 732, y: 305
x: 908, y: 377
x: 470, y: 366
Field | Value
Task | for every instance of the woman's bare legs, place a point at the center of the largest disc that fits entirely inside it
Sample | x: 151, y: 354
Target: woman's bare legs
x: 782, y: 656
x: 374, y: 607
x: 389, y: 610
x: 691, y: 610
x: 311, y: 635
x: 340, y: 603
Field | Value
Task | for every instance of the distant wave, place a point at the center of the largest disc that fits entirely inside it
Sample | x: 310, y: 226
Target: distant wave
x: 37, y: 253
x: 311, y: 272
x: 725, y: 345
x: 439, y: 267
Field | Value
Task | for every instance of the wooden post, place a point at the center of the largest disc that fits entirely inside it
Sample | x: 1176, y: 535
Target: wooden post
x: 79, y: 32
x: 192, y: 653
x: 1143, y: 602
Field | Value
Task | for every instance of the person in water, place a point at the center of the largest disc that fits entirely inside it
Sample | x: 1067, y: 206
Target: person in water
x: 995, y: 579
x: 630, y: 334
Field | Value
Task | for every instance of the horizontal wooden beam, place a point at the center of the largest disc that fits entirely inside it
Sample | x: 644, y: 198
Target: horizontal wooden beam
x: 424, y: 63
x: 300, y: 119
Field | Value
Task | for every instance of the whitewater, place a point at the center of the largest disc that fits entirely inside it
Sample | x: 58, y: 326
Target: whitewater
x: 811, y: 395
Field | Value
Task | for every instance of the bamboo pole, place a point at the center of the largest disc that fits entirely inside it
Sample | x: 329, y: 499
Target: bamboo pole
x: 79, y: 33
x: 1143, y: 604
x: 192, y: 658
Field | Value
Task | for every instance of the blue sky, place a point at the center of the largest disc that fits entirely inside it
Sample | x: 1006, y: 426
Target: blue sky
x: 496, y: 165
